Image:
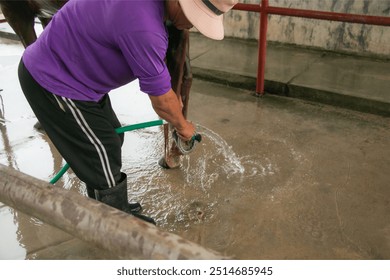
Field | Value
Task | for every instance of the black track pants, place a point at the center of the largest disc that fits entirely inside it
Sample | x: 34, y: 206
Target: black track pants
x: 82, y: 131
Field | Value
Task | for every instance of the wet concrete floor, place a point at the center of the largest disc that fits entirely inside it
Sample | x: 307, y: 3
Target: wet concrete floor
x: 274, y: 178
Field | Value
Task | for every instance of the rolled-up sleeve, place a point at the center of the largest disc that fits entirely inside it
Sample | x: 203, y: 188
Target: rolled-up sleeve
x: 145, y: 54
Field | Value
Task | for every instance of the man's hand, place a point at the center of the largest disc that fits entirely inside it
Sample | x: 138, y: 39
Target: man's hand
x: 187, y: 133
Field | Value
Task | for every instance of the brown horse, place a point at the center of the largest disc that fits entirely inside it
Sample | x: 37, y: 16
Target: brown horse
x: 21, y: 14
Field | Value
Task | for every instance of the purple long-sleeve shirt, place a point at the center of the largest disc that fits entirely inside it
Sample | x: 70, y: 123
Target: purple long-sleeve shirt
x: 93, y: 46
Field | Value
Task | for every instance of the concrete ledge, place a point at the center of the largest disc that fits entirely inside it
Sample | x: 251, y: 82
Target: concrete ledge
x: 339, y: 100
x: 296, y: 91
x: 226, y: 78
x: 8, y: 35
x: 94, y: 222
x: 357, y: 83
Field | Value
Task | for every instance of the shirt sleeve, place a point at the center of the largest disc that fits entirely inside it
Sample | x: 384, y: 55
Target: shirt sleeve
x: 145, y: 54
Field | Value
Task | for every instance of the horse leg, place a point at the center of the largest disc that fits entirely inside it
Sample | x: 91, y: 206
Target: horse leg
x: 20, y: 17
x: 172, y: 154
x: 44, y: 21
x: 181, y: 76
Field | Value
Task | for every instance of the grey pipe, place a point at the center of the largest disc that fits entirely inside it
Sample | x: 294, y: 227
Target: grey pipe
x: 94, y: 222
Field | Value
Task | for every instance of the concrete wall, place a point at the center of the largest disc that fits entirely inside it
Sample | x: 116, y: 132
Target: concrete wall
x: 334, y: 36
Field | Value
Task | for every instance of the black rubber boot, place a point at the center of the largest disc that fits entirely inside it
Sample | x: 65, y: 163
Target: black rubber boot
x: 134, y: 207
x: 117, y: 197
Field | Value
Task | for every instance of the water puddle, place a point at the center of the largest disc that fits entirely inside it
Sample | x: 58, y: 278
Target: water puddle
x: 188, y: 201
x: 10, y: 246
x: 180, y: 199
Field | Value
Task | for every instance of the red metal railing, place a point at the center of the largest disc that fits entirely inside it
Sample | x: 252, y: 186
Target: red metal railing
x: 264, y: 9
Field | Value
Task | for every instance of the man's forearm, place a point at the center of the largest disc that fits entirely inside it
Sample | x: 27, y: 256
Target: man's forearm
x: 169, y: 108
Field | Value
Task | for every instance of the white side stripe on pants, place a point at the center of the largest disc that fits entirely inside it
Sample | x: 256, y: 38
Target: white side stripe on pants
x: 94, y: 140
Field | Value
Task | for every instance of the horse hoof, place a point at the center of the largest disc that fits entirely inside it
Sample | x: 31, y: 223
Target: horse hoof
x: 167, y: 164
x: 39, y: 127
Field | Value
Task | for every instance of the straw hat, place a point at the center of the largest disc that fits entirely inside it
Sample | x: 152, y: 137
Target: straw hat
x: 207, y: 15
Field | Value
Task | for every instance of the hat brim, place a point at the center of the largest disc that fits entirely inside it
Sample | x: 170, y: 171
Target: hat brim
x: 207, y: 23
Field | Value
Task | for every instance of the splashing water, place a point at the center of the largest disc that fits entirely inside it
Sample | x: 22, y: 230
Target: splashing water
x: 231, y: 164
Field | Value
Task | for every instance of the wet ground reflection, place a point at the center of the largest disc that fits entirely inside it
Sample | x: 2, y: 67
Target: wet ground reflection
x: 273, y: 178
